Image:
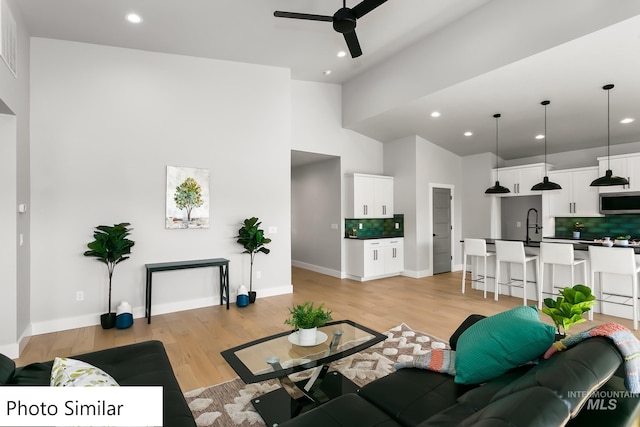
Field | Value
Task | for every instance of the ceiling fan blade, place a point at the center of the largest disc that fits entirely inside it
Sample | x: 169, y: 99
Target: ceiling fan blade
x: 365, y: 7
x: 307, y: 16
x: 353, y: 44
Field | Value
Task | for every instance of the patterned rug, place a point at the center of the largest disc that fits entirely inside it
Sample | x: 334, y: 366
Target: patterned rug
x: 229, y: 404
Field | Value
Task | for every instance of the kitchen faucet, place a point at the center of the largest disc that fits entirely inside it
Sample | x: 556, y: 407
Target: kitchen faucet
x: 534, y: 226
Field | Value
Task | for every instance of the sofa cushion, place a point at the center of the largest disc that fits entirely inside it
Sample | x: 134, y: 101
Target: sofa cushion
x: 413, y: 395
x: 7, y: 369
x: 76, y: 373
x: 345, y: 411
x: 492, y: 346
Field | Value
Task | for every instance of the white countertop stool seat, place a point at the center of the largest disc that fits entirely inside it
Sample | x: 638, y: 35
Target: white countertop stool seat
x: 616, y: 261
x: 475, y: 248
x: 560, y: 254
x: 512, y: 252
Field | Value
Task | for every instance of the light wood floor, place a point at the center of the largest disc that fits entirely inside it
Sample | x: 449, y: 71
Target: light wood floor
x: 195, y: 338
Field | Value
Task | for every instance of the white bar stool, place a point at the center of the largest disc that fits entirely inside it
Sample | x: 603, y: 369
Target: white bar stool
x: 559, y: 254
x: 513, y: 252
x: 476, y: 248
x: 617, y: 261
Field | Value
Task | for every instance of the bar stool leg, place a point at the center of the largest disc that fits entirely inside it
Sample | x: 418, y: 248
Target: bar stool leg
x: 496, y: 289
x: 484, y: 279
x: 464, y: 271
x: 524, y: 283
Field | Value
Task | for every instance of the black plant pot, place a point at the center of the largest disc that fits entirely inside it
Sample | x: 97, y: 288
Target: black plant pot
x: 108, y: 320
x: 252, y: 297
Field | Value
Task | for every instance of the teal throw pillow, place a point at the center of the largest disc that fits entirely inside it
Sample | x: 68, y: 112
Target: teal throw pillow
x: 494, y: 345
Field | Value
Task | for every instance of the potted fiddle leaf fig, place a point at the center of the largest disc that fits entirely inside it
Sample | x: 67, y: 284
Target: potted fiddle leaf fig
x: 110, y: 246
x: 252, y: 239
x: 568, y: 308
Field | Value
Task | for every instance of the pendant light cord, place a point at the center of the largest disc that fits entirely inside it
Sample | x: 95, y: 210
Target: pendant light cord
x: 608, y: 130
x: 545, y: 138
x: 497, y: 116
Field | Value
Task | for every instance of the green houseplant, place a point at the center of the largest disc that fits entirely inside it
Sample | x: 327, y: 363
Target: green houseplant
x: 110, y: 246
x: 305, y: 319
x: 568, y: 308
x: 252, y: 239
x: 306, y: 316
x: 577, y: 229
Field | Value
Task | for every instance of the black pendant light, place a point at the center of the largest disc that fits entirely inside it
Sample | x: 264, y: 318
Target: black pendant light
x: 609, y: 178
x: 546, y: 184
x: 497, y: 189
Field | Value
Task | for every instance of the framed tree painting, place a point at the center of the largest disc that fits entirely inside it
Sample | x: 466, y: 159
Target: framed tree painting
x: 187, y: 204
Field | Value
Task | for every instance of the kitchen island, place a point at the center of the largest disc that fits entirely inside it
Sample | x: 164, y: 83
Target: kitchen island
x: 615, y: 283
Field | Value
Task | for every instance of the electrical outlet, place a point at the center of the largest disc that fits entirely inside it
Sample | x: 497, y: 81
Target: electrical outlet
x: 360, y: 226
x: 80, y: 296
x: 518, y: 224
x: 273, y: 230
x: 258, y: 274
x: 397, y: 225
x: 334, y: 226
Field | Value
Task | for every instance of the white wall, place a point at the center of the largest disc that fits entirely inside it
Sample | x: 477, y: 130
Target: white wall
x: 14, y: 166
x: 105, y: 124
x: 476, y: 206
x: 317, y: 128
x: 421, y: 165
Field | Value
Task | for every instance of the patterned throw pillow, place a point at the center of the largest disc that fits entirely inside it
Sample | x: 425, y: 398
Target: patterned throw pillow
x: 76, y: 373
x: 492, y: 346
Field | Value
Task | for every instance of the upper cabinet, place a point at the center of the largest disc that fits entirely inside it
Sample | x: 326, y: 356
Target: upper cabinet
x: 576, y: 198
x: 627, y: 166
x: 370, y: 196
x: 520, y: 179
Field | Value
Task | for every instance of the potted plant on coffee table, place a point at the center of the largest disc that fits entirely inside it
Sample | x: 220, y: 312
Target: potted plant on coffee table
x: 306, y: 319
x: 110, y: 246
x: 568, y: 308
x: 252, y: 239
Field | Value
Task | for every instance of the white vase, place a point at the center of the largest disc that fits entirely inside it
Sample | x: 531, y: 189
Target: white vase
x: 576, y: 234
x: 307, y: 336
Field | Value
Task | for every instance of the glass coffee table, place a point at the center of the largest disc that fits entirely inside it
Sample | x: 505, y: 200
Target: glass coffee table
x: 280, y: 355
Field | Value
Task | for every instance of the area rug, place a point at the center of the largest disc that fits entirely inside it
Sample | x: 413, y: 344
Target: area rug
x: 229, y: 404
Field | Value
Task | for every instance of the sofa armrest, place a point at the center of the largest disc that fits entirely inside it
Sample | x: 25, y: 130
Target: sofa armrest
x: 469, y: 321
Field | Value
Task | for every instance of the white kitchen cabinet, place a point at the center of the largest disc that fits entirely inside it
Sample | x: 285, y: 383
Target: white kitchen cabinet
x: 626, y: 166
x: 520, y: 179
x: 577, y: 197
x: 374, y: 258
x: 370, y: 196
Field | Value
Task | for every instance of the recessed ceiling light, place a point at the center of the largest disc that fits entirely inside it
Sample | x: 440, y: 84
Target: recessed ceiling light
x: 435, y: 114
x: 326, y: 72
x: 627, y: 120
x: 134, y: 18
x: 540, y: 136
x: 342, y: 54
x: 468, y: 133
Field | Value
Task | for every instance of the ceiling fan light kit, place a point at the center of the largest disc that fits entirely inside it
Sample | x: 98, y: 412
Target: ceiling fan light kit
x: 545, y: 184
x: 344, y: 21
x: 609, y: 179
x: 497, y: 188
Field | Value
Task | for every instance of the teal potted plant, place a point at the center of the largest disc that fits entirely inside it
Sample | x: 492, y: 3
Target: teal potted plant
x: 577, y: 229
x: 252, y: 239
x: 110, y: 246
x: 568, y: 308
x: 306, y: 319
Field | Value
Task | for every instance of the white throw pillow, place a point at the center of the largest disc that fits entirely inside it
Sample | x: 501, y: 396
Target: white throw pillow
x: 76, y: 373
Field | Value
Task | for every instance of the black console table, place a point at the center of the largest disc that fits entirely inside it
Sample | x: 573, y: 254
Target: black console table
x: 222, y: 263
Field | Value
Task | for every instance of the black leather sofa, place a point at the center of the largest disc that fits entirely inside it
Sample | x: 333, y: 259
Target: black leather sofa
x: 556, y: 392
x: 144, y: 363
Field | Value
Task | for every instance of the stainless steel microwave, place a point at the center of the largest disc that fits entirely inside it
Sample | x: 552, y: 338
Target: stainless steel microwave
x: 620, y: 203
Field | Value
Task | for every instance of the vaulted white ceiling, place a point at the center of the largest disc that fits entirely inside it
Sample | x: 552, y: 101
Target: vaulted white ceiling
x: 467, y: 59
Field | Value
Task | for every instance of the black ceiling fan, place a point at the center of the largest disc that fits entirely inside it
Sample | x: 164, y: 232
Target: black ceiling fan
x: 344, y: 21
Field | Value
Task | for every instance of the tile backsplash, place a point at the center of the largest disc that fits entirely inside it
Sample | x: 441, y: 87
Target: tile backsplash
x: 598, y: 227
x: 373, y: 227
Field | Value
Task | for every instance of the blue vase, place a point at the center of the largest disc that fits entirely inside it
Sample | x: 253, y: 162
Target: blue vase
x: 242, y: 300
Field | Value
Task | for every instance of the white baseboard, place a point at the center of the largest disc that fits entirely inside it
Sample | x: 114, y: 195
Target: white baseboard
x: 318, y: 269
x: 64, y: 324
